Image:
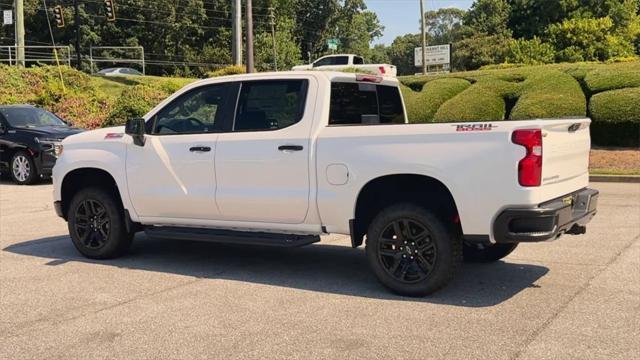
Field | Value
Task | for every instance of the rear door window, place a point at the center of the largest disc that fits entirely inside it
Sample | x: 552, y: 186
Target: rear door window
x: 270, y: 104
x: 365, y: 104
x: 341, y: 60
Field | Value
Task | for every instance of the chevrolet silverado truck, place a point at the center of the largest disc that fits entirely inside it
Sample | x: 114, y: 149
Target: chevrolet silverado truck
x: 338, y: 62
x: 282, y: 158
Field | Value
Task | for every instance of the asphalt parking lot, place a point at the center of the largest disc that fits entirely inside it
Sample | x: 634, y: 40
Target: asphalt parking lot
x: 578, y: 297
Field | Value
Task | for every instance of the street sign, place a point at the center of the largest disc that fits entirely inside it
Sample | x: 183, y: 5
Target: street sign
x: 333, y: 44
x: 8, y: 17
x: 435, y: 55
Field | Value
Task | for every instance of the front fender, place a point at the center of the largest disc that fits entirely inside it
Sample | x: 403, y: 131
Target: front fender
x: 108, y: 157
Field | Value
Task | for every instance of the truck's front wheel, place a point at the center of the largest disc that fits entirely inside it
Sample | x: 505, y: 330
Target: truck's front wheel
x: 96, y: 224
x: 411, y: 251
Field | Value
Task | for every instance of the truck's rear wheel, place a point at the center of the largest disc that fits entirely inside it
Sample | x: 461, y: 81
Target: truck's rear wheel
x: 411, y: 251
x: 96, y: 224
x: 485, y: 253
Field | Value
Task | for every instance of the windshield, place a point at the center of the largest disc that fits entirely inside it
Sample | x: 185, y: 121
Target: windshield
x: 30, y: 117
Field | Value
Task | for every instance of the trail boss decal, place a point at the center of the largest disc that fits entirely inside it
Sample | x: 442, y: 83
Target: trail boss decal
x: 475, y: 127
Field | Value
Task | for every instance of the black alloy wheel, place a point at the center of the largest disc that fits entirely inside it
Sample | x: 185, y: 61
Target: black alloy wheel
x: 97, y: 226
x: 411, y: 250
x: 92, y: 224
x: 406, y: 250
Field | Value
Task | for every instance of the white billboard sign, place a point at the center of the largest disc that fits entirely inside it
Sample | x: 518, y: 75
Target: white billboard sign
x: 8, y: 17
x: 435, y: 55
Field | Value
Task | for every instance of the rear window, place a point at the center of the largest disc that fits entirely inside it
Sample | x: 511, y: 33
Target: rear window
x: 365, y: 104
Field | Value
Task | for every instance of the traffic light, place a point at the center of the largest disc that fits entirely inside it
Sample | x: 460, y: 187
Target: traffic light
x: 109, y: 9
x: 58, y: 16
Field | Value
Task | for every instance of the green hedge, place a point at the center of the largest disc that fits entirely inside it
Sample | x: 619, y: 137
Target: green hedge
x: 551, y: 94
x: 484, y: 101
x: 616, y: 118
x: 616, y: 106
x: 528, y: 92
x: 614, y: 76
x: 423, y: 105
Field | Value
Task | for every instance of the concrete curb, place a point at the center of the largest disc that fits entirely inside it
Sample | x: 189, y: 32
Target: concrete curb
x: 615, y: 178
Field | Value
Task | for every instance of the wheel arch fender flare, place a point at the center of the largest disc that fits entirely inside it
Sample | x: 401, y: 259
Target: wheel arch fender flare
x: 92, y: 173
x: 400, y: 183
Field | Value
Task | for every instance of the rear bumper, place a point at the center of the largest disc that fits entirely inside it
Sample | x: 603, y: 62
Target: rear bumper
x: 565, y: 215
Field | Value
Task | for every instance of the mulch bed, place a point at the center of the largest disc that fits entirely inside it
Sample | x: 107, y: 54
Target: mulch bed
x: 615, y: 161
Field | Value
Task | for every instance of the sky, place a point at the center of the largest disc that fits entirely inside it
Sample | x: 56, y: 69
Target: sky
x: 401, y: 17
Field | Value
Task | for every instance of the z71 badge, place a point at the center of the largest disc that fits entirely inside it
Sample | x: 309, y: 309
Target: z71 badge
x: 475, y: 127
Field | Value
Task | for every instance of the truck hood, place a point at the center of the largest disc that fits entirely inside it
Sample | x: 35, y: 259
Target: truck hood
x: 92, y: 136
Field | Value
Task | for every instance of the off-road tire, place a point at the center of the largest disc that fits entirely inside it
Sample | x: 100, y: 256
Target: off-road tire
x: 422, y: 239
x: 95, y: 239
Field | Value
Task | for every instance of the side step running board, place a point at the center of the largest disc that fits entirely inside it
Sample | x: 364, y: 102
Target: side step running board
x: 230, y: 237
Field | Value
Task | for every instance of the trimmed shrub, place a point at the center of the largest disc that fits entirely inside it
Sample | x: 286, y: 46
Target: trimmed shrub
x: 484, y: 101
x: 615, y: 76
x: 551, y: 94
x: 616, y: 118
x: 228, y: 70
x: 133, y: 103
x: 616, y: 106
x: 423, y: 105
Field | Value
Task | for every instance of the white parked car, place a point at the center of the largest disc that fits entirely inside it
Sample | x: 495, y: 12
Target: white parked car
x: 343, y: 61
x: 119, y: 72
x: 282, y: 158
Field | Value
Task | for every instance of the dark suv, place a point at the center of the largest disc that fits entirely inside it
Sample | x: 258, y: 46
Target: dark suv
x: 29, y: 139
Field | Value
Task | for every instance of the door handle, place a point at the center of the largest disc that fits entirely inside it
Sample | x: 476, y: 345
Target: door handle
x: 290, y: 147
x: 200, y: 149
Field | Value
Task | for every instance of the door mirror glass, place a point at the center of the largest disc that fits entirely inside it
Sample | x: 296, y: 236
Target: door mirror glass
x: 135, y: 128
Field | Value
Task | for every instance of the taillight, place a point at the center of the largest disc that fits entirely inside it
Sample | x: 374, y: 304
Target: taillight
x: 530, y: 167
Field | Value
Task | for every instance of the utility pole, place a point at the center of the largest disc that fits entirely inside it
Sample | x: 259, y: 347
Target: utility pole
x: 76, y: 9
x: 236, y: 29
x: 249, y: 17
x: 272, y: 17
x: 424, y: 39
x: 20, y: 32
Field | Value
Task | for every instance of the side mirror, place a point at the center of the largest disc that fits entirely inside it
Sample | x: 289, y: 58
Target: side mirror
x: 135, y: 128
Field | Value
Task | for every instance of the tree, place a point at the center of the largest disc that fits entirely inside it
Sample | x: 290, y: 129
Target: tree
x: 588, y: 39
x: 529, y: 18
x: 401, y: 53
x: 530, y: 52
x: 287, y: 48
x: 312, y: 19
x: 356, y: 27
x: 479, y: 50
x: 444, y: 25
x: 378, y: 54
x: 489, y: 17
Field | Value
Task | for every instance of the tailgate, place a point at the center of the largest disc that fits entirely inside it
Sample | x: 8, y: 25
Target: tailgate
x: 565, y: 155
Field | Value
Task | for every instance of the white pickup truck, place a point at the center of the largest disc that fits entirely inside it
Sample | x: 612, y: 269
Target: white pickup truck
x: 339, y: 62
x: 282, y: 158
